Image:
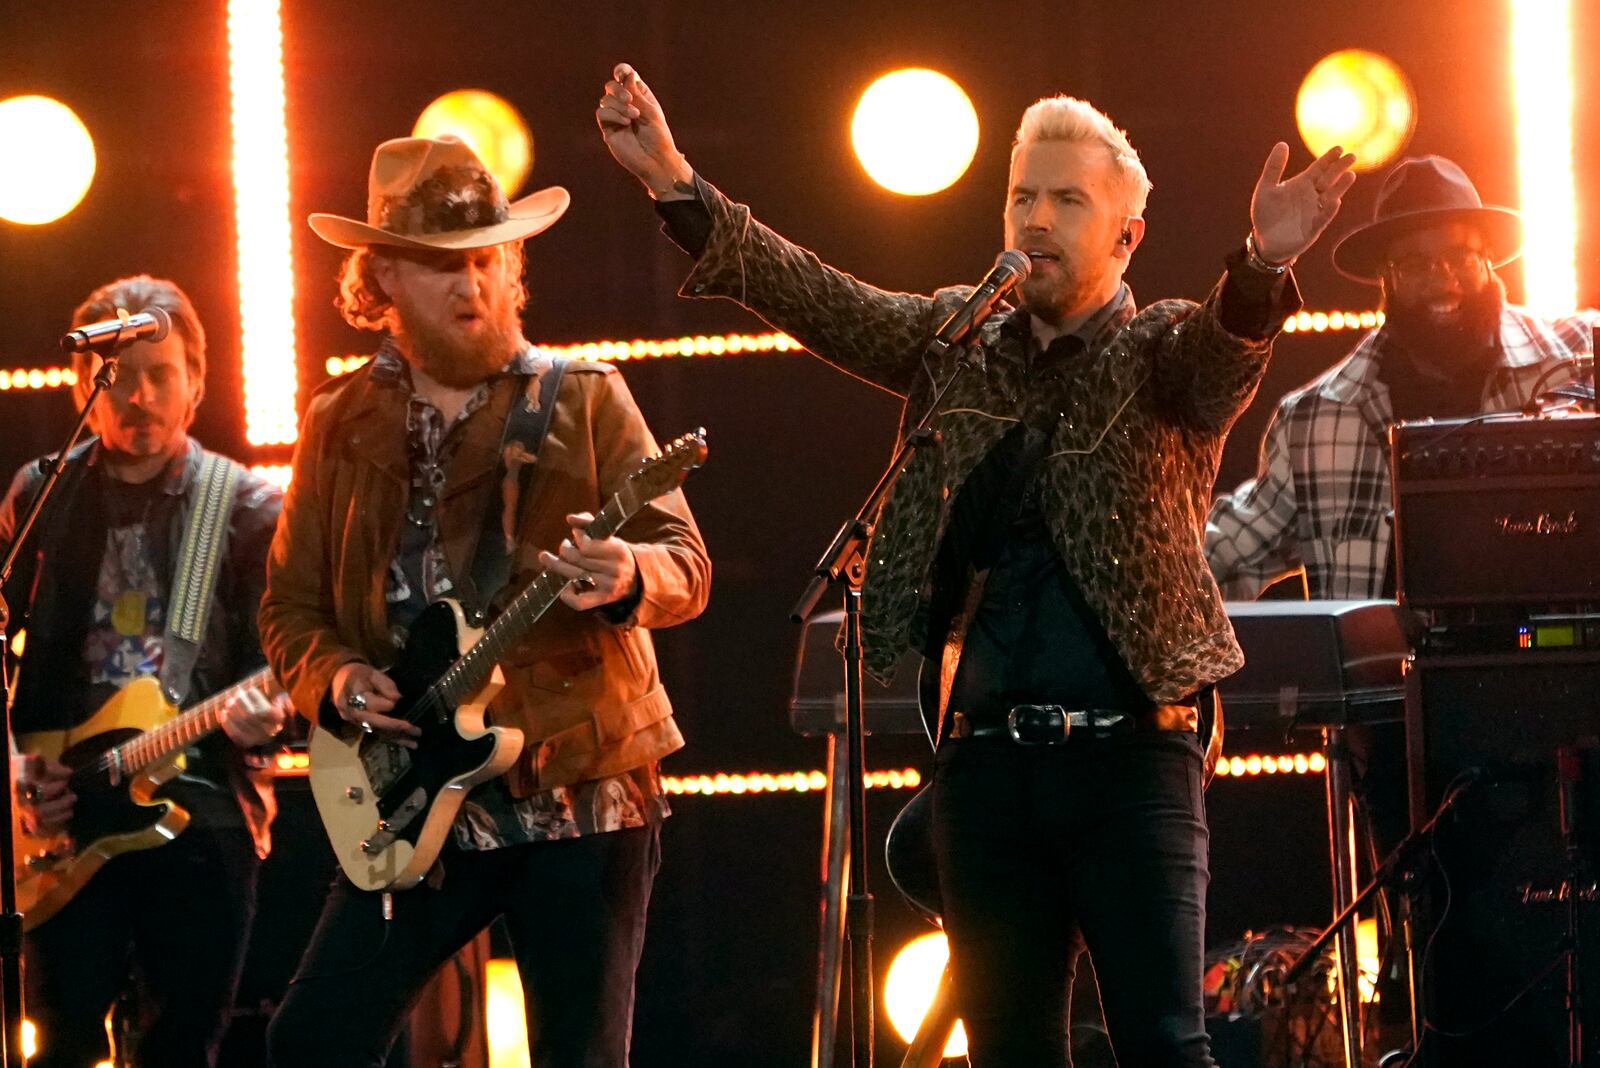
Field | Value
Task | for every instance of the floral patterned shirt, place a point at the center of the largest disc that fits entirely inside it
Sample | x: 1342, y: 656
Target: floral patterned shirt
x: 491, y: 817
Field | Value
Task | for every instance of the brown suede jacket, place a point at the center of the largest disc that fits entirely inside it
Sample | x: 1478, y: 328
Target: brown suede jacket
x: 1127, y: 477
x: 585, y: 691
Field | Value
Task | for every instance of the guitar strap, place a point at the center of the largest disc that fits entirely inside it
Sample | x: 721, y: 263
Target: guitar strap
x: 527, y: 423
x: 205, y: 537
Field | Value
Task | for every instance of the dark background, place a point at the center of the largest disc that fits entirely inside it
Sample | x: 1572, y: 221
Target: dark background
x: 759, y: 95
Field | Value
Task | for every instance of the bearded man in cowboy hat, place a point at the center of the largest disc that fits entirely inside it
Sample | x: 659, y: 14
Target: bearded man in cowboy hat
x: 1449, y: 346
x: 394, y: 482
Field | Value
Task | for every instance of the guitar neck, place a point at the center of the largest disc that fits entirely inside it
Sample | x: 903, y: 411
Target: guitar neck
x: 469, y: 673
x: 189, y: 727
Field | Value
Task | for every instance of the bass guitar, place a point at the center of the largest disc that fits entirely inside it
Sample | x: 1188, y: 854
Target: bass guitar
x: 119, y: 758
x: 388, y: 808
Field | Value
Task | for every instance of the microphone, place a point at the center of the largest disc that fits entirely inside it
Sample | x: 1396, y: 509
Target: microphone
x: 112, y: 334
x: 1010, y: 270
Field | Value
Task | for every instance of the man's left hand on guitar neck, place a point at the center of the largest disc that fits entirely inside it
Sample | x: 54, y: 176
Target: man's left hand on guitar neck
x: 602, y: 569
x: 252, y: 719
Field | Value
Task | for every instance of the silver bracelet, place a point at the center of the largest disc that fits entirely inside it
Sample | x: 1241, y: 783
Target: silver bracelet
x: 1254, y: 258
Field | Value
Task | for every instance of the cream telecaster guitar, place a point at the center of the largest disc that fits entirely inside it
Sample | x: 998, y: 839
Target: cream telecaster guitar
x: 119, y: 758
x: 388, y: 809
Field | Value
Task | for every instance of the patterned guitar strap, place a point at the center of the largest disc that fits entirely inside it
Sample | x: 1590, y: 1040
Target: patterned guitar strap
x: 205, y: 538
x: 527, y: 423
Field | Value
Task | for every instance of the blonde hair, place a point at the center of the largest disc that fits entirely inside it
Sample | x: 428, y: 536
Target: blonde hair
x: 1066, y: 118
x: 365, y: 305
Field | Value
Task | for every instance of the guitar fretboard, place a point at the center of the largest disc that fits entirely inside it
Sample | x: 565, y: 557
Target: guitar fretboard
x: 468, y: 674
x: 186, y: 729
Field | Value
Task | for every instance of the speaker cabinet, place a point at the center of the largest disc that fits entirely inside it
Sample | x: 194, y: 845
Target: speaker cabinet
x: 1491, y: 926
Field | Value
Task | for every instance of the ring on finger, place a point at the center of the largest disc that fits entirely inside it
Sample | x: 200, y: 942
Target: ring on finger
x: 356, y: 701
x: 366, y: 727
x: 586, y: 581
x: 30, y: 792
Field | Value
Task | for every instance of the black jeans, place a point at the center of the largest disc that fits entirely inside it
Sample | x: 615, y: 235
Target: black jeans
x: 179, y: 915
x: 1045, y: 850
x: 575, y: 910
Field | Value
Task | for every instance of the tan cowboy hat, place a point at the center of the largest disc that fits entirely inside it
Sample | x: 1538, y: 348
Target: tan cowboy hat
x: 436, y: 194
x: 1419, y: 192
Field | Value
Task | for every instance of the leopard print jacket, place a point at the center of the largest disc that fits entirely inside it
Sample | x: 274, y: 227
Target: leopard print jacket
x: 1129, y: 470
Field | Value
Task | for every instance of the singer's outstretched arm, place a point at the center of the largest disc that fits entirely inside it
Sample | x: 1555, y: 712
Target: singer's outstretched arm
x: 868, y: 332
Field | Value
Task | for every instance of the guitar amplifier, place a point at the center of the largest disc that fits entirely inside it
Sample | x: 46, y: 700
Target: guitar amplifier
x: 1491, y: 923
x: 1503, y: 510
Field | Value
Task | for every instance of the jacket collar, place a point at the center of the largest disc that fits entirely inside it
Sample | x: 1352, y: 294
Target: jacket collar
x: 375, y: 421
x: 1094, y: 332
x: 389, y: 368
x: 176, y: 477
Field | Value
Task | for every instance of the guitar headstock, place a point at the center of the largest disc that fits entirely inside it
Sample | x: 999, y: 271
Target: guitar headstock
x: 660, y: 475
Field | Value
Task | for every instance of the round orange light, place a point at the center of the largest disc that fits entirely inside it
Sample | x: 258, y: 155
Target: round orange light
x: 914, y: 131
x: 909, y: 988
x: 50, y: 162
x: 490, y: 126
x: 1359, y: 100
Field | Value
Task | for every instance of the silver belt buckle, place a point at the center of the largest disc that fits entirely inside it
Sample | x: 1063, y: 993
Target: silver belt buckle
x: 1011, y: 724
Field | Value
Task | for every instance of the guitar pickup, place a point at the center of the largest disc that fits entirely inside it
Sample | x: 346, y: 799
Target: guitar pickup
x: 385, y: 763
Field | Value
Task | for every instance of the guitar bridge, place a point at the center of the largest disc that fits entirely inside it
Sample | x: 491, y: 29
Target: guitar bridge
x: 389, y: 829
x: 46, y: 859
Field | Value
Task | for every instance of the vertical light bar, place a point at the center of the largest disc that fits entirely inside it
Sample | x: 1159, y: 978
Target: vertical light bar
x: 1541, y: 74
x: 261, y: 213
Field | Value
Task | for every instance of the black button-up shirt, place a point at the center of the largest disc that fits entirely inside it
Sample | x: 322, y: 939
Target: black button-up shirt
x: 1032, y: 639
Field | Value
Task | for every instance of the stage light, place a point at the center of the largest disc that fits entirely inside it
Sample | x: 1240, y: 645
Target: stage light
x: 30, y: 1041
x: 914, y: 131
x: 1235, y: 767
x: 50, y: 160
x: 261, y: 214
x: 277, y: 474
x: 1541, y: 73
x: 764, y: 782
x: 909, y: 987
x: 503, y: 1015
x: 1368, y: 961
x: 1359, y: 100
x: 489, y: 125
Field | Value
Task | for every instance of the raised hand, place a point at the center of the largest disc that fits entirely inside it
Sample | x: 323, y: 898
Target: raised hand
x: 636, y: 131
x: 1289, y: 216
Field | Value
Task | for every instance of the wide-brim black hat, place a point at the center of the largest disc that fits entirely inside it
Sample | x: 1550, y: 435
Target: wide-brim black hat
x: 1421, y: 192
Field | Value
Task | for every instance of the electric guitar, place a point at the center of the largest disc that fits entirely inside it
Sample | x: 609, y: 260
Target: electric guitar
x: 119, y: 758
x: 388, y: 808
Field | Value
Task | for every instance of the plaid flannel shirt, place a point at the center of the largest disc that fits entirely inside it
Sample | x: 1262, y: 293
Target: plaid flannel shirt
x: 1320, y: 502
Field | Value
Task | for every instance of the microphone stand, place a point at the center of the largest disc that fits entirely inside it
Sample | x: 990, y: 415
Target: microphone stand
x: 1397, y: 867
x: 11, y: 1008
x: 844, y: 563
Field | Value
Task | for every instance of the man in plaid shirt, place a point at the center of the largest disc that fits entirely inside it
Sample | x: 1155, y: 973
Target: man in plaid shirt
x: 1449, y: 346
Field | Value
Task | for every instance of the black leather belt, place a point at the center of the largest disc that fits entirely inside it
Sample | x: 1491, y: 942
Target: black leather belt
x: 1055, y: 724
